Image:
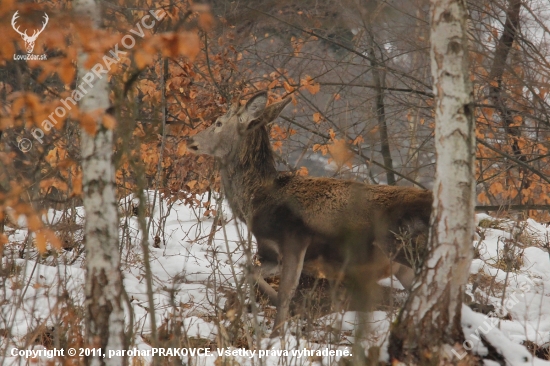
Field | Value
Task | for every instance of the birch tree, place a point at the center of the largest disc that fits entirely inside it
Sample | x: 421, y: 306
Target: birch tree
x: 103, y: 304
x: 431, y: 316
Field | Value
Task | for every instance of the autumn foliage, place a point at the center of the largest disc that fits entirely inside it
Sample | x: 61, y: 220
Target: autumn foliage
x: 178, y: 67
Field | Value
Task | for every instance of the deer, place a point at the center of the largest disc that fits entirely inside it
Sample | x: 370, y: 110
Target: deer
x: 29, y: 40
x: 325, y: 227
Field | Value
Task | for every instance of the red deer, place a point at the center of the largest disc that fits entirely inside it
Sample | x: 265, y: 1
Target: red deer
x: 324, y: 226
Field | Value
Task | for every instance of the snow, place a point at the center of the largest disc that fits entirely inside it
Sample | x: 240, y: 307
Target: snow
x: 195, y: 282
x: 513, y: 353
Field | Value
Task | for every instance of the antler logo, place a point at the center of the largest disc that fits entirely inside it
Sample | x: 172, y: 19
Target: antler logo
x: 29, y: 40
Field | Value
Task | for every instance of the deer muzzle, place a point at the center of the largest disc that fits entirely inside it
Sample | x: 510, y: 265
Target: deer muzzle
x: 192, y: 145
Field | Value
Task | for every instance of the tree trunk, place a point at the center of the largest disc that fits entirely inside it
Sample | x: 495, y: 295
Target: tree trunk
x: 380, y: 106
x: 103, y: 304
x: 431, y: 315
x: 497, y: 92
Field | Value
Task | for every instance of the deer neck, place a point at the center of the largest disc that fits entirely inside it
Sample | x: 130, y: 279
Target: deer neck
x: 249, y: 173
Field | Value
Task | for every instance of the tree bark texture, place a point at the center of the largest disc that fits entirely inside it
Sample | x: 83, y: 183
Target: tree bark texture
x: 497, y: 92
x: 431, y: 315
x: 380, y: 106
x: 103, y: 304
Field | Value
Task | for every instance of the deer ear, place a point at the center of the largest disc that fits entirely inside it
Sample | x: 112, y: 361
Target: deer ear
x: 273, y: 110
x: 255, y: 106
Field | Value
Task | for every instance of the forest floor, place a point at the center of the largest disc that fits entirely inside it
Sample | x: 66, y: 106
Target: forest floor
x: 200, y: 302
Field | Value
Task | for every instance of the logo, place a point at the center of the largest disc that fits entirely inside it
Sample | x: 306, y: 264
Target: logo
x: 29, y: 40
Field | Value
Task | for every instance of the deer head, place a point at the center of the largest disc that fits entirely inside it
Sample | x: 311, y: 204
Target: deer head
x: 222, y: 136
x: 29, y: 40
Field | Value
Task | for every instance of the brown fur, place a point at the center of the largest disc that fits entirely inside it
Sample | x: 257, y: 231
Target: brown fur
x: 329, y: 227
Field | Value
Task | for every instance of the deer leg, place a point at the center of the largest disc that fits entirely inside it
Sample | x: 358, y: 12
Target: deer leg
x: 293, y: 261
x: 269, y: 256
x: 267, y: 269
x: 267, y: 290
x: 405, y: 275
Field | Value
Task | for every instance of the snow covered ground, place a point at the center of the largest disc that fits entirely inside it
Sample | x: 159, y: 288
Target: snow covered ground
x: 196, y: 274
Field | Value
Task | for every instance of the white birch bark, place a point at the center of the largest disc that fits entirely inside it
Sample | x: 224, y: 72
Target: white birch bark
x: 454, y: 189
x: 431, y: 316
x: 103, y: 304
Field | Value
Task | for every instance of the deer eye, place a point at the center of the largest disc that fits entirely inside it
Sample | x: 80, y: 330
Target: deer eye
x: 218, y: 124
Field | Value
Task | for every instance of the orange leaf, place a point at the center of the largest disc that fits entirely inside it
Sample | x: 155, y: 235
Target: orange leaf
x: 182, y: 149
x: 6, y: 123
x: 341, y: 153
x: 310, y: 85
x: 66, y: 72
x: 359, y: 139
x: 3, y: 240
x: 52, y: 157
x: 273, y: 84
x: 77, y: 186
x: 17, y: 105
x: 32, y: 101
x: 7, y: 48
x: 189, y: 44
x: 319, y: 147
x: 206, y: 21
x: 313, y: 88
x: 316, y: 117
x: 88, y: 123
x: 33, y: 222
x: 143, y: 59
x: 53, y: 182
x: 277, y: 146
x: 302, y: 171
x: 482, y: 198
x: 40, y: 241
x: 496, y: 188
x: 288, y: 88
x: 109, y: 121
x: 517, y: 121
